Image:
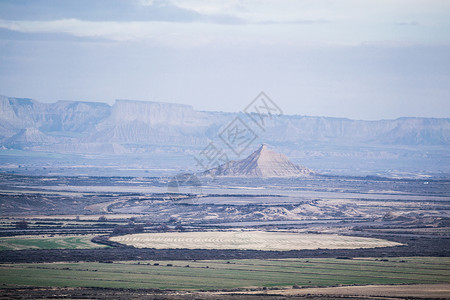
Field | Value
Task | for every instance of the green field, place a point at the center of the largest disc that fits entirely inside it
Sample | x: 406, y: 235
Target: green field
x: 219, y: 274
x: 48, y: 242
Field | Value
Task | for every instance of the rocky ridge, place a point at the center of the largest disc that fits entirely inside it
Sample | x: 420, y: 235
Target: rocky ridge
x: 262, y: 163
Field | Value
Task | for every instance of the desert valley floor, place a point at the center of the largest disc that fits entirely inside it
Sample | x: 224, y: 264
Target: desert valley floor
x: 275, y: 237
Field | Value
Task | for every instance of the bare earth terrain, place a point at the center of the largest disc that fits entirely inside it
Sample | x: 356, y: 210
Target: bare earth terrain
x: 58, y: 230
x: 441, y: 291
x: 419, y: 291
x: 249, y: 240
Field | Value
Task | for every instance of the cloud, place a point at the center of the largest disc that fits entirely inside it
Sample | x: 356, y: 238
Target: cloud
x: 156, y: 32
x: 161, y: 33
x: 199, y: 6
x: 236, y: 11
x: 119, y: 31
x: 172, y: 11
x: 410, y: 23
x: 146, y: 2
x: 295, y: 22
x: 289, y: 11
x: 190, y: 23
x: 107, y: 10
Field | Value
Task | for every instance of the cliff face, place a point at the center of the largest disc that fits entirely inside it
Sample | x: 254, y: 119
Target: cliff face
x: 62, y: 116
x: 403, y: 131
x: 152, y: 113
x: 74, y: 126
x: 31, y: 136
x: 139, y: 122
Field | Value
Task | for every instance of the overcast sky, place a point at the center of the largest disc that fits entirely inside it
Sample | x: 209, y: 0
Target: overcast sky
x: 360, y: 59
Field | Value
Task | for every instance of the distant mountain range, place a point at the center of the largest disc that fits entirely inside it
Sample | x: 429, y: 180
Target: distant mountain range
x: 27, y: 123
x: 137, y: 127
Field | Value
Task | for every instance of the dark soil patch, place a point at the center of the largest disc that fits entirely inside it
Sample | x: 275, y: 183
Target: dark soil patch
x: 413, y: 247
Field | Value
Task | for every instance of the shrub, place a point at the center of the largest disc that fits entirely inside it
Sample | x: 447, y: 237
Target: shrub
x: 22, y: 224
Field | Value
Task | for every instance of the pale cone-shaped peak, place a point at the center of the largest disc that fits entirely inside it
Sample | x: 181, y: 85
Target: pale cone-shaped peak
x: 261, y: 163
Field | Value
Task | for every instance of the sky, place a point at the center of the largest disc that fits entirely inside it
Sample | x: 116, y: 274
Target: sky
x: 358, y: 59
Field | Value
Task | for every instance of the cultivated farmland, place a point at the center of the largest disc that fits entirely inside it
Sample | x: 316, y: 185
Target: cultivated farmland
x: 251, y: 240
x: 48, y: 242
x: 221, y: 274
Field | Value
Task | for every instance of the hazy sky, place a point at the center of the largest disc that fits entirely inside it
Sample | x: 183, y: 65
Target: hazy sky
x: 361, y: 59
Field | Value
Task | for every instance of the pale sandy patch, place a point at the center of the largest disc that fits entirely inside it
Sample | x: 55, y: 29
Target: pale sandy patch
x: 411, y: 290
x: 251, y: 240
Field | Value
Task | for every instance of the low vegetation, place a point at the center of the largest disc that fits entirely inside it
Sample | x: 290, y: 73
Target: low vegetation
x: 48, y: 242
x: 229, y: 274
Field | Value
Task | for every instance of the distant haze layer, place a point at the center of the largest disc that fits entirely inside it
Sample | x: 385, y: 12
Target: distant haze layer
x: 138, y: 128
